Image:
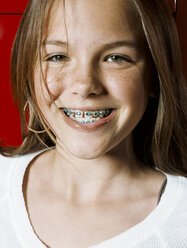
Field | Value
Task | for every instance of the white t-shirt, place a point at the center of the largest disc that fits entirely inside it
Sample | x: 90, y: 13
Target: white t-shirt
x: 164, y: 227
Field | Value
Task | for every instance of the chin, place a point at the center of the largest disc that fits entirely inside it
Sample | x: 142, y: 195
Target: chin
x: 84, y: 151
x: 87, y: 154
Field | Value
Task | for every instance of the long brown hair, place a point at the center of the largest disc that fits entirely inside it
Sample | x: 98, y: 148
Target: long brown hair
x: 160, y: 137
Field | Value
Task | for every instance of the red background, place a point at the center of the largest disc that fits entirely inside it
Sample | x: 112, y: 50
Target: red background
x: 9, y: 19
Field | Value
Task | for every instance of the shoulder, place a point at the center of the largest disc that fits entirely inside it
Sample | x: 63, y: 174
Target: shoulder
x: 6, y: 164
x: 4, y: 161
x: 174, y: 226
x: 12, y: 168
x: 181, y: 184
x: 181, y: 205
x: 178, y: 193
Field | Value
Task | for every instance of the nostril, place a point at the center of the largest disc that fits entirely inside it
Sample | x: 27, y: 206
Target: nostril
x: 87, y: 88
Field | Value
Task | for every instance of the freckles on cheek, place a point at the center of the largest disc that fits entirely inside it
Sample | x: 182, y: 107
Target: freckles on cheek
x: 42, y: 96
x: 50, y: 89
x: 54, y: 88
x: 128, y: 89
x: 46, y: 92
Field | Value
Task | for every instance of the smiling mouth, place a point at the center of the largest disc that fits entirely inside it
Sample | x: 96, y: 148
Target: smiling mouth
x: 87, y: 117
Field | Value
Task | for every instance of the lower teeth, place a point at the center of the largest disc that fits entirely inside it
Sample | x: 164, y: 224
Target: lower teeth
x: 87, y: 117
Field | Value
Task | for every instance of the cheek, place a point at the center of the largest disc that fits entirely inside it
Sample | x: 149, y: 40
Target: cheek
x: 130, y: 88
x: 46, y: 91
x: 53, y: 78
x: 43, y: 97
x: 55, y: 88
x: 44, y: 101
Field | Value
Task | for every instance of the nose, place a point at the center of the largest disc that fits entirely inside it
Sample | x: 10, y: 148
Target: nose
x: 85, y: 82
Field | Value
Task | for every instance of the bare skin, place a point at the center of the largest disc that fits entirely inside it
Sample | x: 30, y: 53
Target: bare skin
x: 91, y: 187
x: 84, y: 213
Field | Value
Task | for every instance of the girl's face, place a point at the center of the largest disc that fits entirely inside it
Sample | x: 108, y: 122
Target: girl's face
x: 97, y: 74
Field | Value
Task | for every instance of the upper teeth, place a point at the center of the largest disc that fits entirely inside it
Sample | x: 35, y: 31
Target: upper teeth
x: 87, y: 116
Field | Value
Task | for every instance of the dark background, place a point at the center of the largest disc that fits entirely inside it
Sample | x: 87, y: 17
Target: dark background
x: 10, y: 15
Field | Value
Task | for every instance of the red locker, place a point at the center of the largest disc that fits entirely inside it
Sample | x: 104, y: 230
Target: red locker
x: 10, y: 15
x: 13, y: 6
x: 9, y: 124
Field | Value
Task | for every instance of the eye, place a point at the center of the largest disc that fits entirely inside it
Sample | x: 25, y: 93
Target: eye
x: 57, y: 58
x: 116, y: 58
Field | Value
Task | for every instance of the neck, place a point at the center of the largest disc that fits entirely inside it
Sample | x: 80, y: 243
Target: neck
x: 80, y: 180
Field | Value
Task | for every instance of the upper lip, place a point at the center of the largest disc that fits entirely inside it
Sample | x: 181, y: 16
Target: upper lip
x: 87, y: 109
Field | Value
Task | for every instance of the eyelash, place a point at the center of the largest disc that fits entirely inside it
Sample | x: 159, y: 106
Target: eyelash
x: 57, y: 58
x: 122, y: 59
x: 119, y: 58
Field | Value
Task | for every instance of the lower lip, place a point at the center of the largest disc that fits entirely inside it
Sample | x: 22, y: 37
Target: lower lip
x: 91, y: 126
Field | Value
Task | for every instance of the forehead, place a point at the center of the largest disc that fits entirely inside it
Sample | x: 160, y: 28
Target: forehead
x: 97, y: 20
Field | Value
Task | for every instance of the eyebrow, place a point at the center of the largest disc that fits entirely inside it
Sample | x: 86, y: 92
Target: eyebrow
x: 127, y: 43
x: 54, y: 43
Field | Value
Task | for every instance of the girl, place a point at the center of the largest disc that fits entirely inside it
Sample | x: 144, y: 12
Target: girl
x: 103, y: 159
